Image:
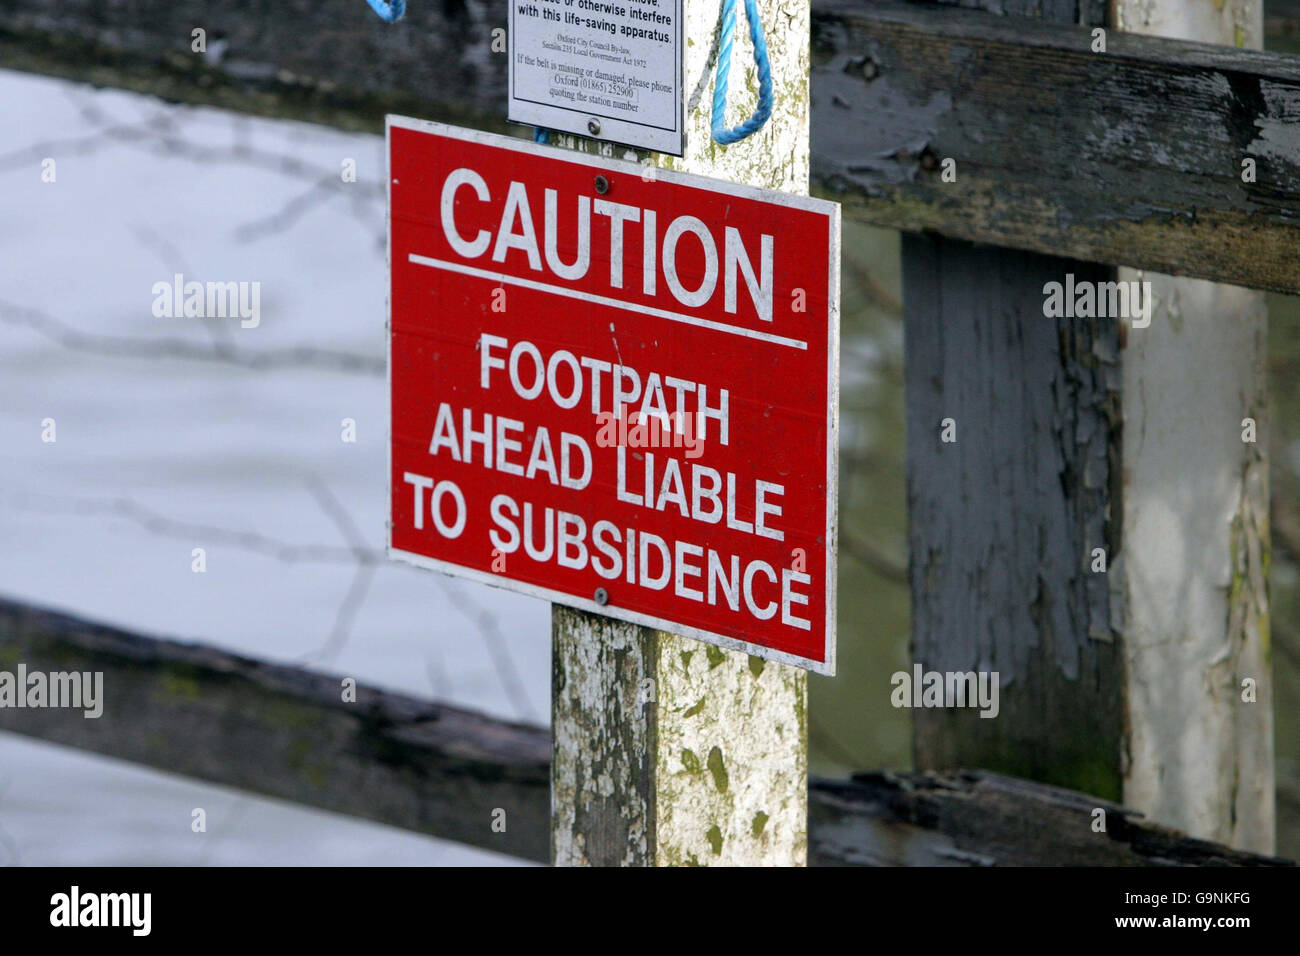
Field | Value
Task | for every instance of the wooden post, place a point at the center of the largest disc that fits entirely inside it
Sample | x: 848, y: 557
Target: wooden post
x: 668, y: 751
x: 1196, y: 539
x: 1002, y: 520
x: 1079, y: 439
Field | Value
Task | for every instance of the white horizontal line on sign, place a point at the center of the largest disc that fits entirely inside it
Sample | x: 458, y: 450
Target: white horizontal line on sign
x: 605, y: 300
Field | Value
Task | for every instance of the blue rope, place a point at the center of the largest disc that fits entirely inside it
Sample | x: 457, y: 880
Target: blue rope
x: 390, y: 10
x: 752, y: 125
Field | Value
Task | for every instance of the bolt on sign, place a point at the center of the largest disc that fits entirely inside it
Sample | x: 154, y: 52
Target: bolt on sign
x: 615, y: 388
x: 608, y: 69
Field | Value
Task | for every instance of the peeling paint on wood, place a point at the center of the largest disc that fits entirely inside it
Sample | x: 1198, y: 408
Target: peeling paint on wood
x: 1003, y: 521
x: 604, y: 682
x: 1198, y: 757
x: 1196, y: 501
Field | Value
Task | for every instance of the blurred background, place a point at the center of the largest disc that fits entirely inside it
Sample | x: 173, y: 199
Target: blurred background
x: 176, y: 434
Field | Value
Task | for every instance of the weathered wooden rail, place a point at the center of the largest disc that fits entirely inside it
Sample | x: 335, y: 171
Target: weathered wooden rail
x: 1131, y: 157
x: 285, y: 732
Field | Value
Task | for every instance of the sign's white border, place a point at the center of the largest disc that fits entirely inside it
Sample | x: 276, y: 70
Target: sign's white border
x: 832, y: 213
x: 612, y: 128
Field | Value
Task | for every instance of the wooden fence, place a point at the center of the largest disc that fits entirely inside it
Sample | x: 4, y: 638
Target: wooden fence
x: 1025, y: 92
x: 1069, y: 161
x: 286, y: 732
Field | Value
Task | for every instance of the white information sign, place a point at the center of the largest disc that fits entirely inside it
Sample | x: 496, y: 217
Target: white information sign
x: 606, y: 69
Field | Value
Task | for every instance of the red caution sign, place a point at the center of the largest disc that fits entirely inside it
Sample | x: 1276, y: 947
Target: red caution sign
x: 615, y: 387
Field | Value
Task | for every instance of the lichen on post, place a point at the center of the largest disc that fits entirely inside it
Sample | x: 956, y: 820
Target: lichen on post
x: 1200, y: 746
